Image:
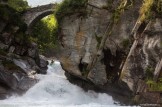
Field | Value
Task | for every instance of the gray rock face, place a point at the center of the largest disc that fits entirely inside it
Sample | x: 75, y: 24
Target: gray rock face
x: 33, y: 50
x: 144, y: 56
x: 82, y: 37
x: 43, y: 61
x: 19, y: 61
x: 8, y: 79
x: 130, y: 51
x: 79, y: 39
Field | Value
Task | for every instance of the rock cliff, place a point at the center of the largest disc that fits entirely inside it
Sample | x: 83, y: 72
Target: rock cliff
x: 111, y: 47
x: 19, y: 57
x: 105, y: 45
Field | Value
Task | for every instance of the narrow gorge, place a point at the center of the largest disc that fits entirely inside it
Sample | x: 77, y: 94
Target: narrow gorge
x: 108, y: 46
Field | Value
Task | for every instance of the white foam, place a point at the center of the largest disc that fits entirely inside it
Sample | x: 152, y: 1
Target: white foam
x: 54, y: 90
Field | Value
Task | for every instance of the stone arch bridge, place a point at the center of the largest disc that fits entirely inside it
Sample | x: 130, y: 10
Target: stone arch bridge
x: 32, y: 15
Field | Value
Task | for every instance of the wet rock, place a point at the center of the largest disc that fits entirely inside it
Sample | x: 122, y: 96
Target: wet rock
x: 8, y: 79
x: 43, y: 61
x: 98, y: 74
x: 3, y: 46
x: 6, y: 38
x: 3, y: 92
x: 25, y: 83
x: 11, y: 49
x: 33, y: 50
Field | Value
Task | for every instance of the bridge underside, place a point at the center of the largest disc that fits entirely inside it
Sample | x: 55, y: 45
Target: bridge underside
x: 33, y: 15
x: 35, y: 20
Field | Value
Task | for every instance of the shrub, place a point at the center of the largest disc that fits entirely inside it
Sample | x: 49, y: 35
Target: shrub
x: 18, y: 5
x: 68, y: 7
x: 44, y: 33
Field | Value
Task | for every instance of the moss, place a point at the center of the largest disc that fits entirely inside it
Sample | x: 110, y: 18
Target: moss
x: 149, y: 72
x: 150, y: 9
x: 154, y: 86
x: 124, y: 5
x: 9, y: 65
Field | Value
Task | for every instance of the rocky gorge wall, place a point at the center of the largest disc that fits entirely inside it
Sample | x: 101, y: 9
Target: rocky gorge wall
x: 103, y: 46
x: 19, y: 57
x: 113, y: 49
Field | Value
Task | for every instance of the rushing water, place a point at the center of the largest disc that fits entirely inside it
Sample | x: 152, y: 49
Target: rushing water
x: 54, y: 90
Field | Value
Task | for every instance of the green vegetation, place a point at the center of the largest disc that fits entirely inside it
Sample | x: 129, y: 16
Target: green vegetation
x: 150, y: 9
x: 44, y: 33
x: 12, y: 16
x: 149, y: 72
x: 155, y: 86
x: 68, y: 7
x: 152, y: 85
x: 145, y: 11
x: 124, y: 5
x: 18, y: 5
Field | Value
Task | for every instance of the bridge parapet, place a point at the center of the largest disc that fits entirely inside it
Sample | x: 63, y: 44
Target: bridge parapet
x: 41, y: 8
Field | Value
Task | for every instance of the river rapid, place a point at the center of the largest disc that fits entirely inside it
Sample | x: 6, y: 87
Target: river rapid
x: 54, y: 90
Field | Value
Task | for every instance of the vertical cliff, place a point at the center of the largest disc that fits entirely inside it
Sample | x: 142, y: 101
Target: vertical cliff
x: 113, y: 44
x: 19, y: 56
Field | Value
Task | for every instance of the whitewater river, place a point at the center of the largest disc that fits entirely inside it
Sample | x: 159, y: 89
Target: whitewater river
x: 54, y: 90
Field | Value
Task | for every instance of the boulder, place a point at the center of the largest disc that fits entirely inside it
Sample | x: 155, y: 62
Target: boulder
x: 43, y: 61
x: 33, y: 50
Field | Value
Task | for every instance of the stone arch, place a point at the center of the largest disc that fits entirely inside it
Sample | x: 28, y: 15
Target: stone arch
x: 37, y: 18
x: 33, y: 15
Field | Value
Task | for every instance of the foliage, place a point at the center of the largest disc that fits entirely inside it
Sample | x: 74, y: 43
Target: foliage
x: 68, y: 7
x: 44, y: 33
x: 18, y: 5
x: 10, y: 15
